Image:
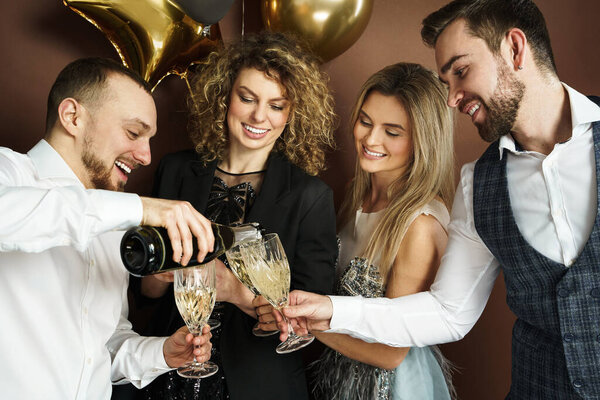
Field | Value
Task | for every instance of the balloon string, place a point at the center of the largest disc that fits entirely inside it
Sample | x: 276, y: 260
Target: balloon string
x: 187, y: 82
x: 243, y: 17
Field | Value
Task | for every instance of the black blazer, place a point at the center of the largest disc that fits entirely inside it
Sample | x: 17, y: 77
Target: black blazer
x: 299, y: 208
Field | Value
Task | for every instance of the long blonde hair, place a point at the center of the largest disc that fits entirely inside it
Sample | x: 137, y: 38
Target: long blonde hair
x: 431, y: 171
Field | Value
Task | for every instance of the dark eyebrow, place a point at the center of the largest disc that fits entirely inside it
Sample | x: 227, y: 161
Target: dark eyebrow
x: 448, y: 65
x: 254, y: 94
x: 385, y: 124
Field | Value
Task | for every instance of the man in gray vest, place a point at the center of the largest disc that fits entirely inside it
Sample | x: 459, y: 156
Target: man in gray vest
x: 527, y: 207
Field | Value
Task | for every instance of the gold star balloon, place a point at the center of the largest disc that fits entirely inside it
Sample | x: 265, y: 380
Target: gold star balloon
x: 153, y: 37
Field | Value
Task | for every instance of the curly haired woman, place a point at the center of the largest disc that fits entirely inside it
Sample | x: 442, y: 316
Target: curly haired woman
x: 262, y: 118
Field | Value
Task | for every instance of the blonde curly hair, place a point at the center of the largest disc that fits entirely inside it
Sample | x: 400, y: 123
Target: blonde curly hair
x: 309, y: 132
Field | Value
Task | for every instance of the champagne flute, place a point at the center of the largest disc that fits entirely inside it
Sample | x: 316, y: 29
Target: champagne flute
x: 269, y: 272
x: 239, y: 269
x: 195, y: 295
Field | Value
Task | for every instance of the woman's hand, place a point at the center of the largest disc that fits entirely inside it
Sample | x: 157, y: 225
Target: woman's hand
x: 228, y: 286
x: 231, y: 290
x: 155, y: 286
x: 264, y: 311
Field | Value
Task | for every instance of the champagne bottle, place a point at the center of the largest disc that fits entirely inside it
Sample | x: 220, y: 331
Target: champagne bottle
x: 147, y: 250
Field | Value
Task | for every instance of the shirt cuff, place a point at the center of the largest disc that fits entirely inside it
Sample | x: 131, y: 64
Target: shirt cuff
x: 160, y: 355
x: 116, y: 210
x: 156, y: 358
x: 347, y: 312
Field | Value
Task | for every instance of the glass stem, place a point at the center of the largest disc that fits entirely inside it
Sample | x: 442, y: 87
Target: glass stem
x: 291, y: 333
x: 195, y: 347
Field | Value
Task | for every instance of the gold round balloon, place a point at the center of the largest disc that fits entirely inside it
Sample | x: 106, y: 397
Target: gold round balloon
x: 330, y: 26
x: 153, y: 37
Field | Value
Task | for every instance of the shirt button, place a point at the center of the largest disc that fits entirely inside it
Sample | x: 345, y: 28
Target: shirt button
x: 89, y: 360
x: 568, y: 337
x: 562, y: 292
x: 85, y: 310
x: 595, y: 293
x: 92, y: 262
x: 577, y: 383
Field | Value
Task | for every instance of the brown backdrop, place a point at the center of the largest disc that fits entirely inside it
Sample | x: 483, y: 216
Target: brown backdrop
x: 39, y: 37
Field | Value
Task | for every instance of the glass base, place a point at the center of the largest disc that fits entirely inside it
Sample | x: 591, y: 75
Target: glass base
x: 198, y: 370
x: 256, y: 331
x: 294, y: 343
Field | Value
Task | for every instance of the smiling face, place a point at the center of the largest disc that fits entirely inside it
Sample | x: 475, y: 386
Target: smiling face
x: 382, y: 136
x: 481, y: 84
x: 258, y: 113
x: 117, y: 134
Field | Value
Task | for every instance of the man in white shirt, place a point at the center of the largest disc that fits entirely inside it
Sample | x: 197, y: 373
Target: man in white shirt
x: 528, y: 205
x: 62, y: 283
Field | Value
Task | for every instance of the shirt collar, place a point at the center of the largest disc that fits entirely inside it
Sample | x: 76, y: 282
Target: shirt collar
x: 583, y: 111
x: 49, y: 163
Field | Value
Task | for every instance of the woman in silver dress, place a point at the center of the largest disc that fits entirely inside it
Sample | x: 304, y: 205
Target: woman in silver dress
x: 393, y: 231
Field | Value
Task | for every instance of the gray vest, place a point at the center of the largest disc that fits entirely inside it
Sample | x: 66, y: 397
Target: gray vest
x: 556, y: 338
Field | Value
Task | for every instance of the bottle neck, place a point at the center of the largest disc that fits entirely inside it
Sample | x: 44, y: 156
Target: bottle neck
x: 245, y: 232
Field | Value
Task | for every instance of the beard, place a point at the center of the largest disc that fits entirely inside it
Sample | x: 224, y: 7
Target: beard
x: 502, y: 107
x: 99, y: 172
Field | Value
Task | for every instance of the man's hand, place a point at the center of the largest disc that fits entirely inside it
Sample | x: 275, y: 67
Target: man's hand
x: 264, y: 312
x: 183, y: 223
x: 307, y: 312
x: 182, y: 347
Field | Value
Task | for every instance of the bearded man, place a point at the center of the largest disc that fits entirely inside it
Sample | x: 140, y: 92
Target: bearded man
x: 528, y: 207
x: 63, y: 286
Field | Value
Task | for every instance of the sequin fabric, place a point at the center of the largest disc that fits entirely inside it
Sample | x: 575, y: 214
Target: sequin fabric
x: 338, y: 377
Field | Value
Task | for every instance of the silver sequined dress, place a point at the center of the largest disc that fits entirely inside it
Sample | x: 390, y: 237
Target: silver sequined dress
x: 338, y: 377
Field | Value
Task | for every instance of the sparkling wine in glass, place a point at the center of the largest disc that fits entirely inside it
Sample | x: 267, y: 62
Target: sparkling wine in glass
x: 269, y: 272
x: 195, y: 295
x: 238, y: 267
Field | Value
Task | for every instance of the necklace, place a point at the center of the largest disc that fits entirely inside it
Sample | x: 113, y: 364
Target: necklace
x: 243, y: 173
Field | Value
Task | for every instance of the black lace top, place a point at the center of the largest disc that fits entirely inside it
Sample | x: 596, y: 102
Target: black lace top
x: 230, y: 200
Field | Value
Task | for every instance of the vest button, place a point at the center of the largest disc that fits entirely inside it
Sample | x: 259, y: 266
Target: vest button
x: 562, y: 292
x: 598, y: 338
x: 568, y: 337
x: 595, y: 293
x: 577, y: 383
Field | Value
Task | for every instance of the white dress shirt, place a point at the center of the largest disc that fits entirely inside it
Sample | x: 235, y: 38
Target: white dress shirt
x: 554, y: 202
x: 63, y: 287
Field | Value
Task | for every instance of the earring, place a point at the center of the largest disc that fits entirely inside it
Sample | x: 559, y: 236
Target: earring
x: 520, y: 67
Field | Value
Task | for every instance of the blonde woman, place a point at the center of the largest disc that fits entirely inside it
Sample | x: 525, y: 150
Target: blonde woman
x: 393, y: 230
x: 261, y: 118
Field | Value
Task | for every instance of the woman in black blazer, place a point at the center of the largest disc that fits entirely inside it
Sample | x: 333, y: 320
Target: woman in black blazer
x: 262, y: 118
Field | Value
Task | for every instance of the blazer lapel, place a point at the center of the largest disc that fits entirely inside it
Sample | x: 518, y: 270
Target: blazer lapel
x: 275, y: 186
x: 195, y: 186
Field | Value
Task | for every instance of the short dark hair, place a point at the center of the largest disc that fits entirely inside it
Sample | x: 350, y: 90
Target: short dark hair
x: 490, y: 20
x: 84, y: 80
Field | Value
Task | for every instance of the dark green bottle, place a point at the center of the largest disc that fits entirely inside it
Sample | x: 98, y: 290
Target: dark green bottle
x: 147, y: 250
